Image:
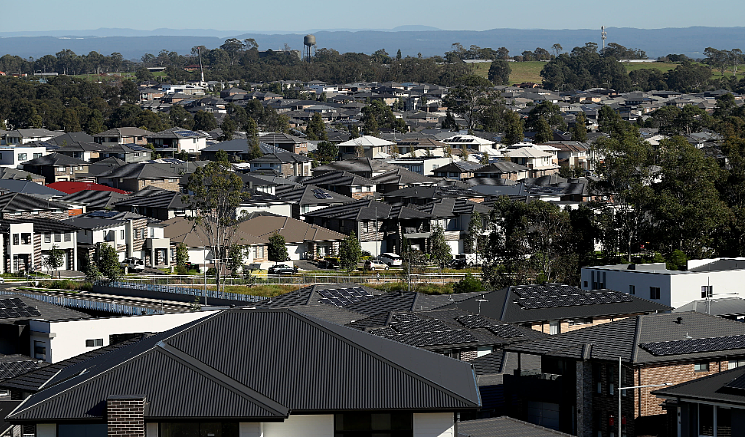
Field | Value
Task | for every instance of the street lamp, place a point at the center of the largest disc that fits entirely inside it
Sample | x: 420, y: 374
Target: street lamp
x: 618, y: 419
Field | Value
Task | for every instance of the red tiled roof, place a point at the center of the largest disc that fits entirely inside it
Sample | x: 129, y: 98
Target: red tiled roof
x: 74, y: 187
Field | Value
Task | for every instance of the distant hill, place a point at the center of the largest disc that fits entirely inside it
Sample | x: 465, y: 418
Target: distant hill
x: 411, y: 40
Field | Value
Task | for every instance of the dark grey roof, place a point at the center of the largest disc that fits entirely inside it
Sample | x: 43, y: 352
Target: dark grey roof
x: 154, y: 198
x: 500, y: 167
x: 72, y: 137
x: 14, y: 173
x: 489, y: 364
x: 502, y: 427
x: 95, y: 199
x: 335, y: 178
x: 724, y: 387
x: 41, y: 225
x: 139, y: 170
x: 310, y: 195
x: 540, y: 303
x: 14, y: 365
x: 19, y: 307
x: 28, y: 187
x: 624, y: 338
x: 19, y: 202
x: 366, y: 210
x: 258, y: 364
x: 56, y: 159
x: 33, y: 380
x: 317, y: 294
x: 435, y: 192
x: 459, y: 167
x: 452, y: 207
x: 280, y: 157
x: 403, y: 176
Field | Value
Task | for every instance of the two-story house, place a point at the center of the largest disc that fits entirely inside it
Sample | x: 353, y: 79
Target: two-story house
x: 57, y: 167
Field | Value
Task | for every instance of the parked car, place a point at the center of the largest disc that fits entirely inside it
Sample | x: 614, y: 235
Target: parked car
x: 372, y: 264
x: 282, y: 269
x: 458, y: 263
x: 133, y: 264
x: 391, y: 259
x: 329, y: 262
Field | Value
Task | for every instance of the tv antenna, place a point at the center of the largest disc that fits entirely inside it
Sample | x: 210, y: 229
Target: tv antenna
x: 603, y: 34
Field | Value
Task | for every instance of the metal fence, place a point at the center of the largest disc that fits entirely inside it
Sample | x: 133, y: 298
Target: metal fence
x: 82, y: 303
x: 166, y: 288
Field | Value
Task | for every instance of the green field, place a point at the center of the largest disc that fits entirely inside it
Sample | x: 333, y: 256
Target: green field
x: 531, y: 71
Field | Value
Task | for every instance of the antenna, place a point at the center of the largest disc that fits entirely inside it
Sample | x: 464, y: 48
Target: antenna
x: 603, y: 35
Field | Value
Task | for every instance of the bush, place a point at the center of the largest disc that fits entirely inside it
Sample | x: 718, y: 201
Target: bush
x: 468, y: 284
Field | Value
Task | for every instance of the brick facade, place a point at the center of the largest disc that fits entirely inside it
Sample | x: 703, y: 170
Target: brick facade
x: 545, y: 327
x: 647, y: 404
x: 125, y: 416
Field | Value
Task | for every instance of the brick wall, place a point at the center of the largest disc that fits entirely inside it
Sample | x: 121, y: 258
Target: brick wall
x: 565, y: 327
x: 362, y: 195
x: 648, y: 404
x: 126, y: 416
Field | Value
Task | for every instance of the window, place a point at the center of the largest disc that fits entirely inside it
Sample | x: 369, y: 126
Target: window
x: 585, y: 284
x: 23, y: 156
x: 734, y: 363
x: 47, y: 238
x: 707, y: 291
x: 701, y: 367
x: 25, y: 238
x: 705, y: 420
x: 632, y: 289
x: 654, y: 292
x: 68, y: 236
x: 40, y: 350
x: 82, y: 430
x: 57, y: 238
x: 199, y: 429
x: 137, y: 234
x: 94, y: 342
x: 37, y: 155
x: 16, y: 239
x: 577, y: 322
x: 108, y: 236
x: 365, y: 424
x: 554, y: 327
x: 121, y: 234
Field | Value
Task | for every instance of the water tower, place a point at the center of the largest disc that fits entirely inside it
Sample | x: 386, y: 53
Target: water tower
x: 309, y: 41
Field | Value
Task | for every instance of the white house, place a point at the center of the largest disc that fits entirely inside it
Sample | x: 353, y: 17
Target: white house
x: 58, y: 340
x: 13, y: 157
x: 704, y: 278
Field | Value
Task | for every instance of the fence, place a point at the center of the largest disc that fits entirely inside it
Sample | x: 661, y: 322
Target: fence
x: 171, y: 289
x: 82, y: 303
x: 297, y: 279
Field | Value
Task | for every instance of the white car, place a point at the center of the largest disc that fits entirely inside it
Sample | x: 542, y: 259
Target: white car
x: 391, y: 259
x: 133, y: 264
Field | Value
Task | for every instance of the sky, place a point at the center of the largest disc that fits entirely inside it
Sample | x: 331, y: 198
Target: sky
x: 298, y: 16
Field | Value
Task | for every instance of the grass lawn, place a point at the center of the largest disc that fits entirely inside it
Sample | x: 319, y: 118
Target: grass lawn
x: 267, y: 290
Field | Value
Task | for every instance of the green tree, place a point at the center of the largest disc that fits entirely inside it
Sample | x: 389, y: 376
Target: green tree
x: 439, y: 249
x: 579, y: 130
x: 217, y: 192
x: 252, y: 137
x: 182, y: 257
x: 316, y: 130
x: 543, y: 131
x: 469, y: 284
x: 54, y: 259
x: 513, y: 128
x: 235, y: 259
x: 129, y: 92
x: 327, y: 152
x: 499, y: 72
x: 108, y: 262
x: 204, y: 121
x: 277, y: 248
x: 471, y: 98
x: 350, y: 252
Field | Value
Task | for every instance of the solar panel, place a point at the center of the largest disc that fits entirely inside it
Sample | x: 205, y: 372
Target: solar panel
x: 505, y: 331
x: 737, y: 383
x: 14, y: 308
x: 695, y: 345
x: 433, y: 338
x: 552, y: 296
x: 342, y: 297
x: 185, y: 133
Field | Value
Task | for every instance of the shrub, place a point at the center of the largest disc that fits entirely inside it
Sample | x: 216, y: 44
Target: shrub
x: 468, y: 284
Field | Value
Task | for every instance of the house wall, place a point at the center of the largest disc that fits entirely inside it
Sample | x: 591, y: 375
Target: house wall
x: 676, y: 289
x: 646, y: 404
x: 283, y: 209
x: 545, y: 328
x: 306, y: 426
x: 46, y: 430
x: 69, y: 336
x: 434, y: 425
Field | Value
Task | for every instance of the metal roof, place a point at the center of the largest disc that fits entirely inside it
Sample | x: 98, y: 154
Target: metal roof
x: 504, y: 426
x: 258, y: 364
